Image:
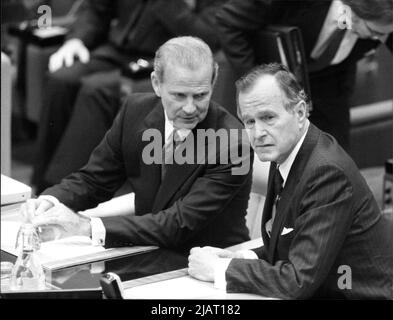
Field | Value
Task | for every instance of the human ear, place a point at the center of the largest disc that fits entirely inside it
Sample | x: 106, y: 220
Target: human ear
x: 301, y: 111
x: 156, y: 84
x: 215, y: 74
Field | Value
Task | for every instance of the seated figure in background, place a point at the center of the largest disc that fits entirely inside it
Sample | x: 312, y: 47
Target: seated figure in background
x: 336, y: 35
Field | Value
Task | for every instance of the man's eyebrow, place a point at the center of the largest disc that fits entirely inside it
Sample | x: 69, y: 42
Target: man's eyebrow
x: 175, y: 91
x: 265, y: 112
x: 259, y: 113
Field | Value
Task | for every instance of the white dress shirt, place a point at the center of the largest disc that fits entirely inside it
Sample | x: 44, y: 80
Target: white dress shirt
x: 222, y: 264
x: 183, y: 133
x: 98, y: 231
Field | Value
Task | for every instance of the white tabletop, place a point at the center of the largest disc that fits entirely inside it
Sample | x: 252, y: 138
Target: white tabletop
x: 186, y: 287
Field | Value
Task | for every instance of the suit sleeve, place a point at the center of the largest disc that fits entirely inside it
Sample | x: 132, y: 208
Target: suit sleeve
x: 174, y: 226
x: 261, y: 252
x: 100, y: 178
x: 236, y: 20
x: 181, y: 20
x: 319, y: 232
x: 93, y: 22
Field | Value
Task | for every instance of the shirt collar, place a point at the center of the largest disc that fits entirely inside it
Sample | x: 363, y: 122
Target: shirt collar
x: 183, y: 133
x: 285, y: 167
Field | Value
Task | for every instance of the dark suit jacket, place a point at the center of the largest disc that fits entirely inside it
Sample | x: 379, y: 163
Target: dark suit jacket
x: 139, y: 27
x: 238, y: 19
x: 336, y: 222
x: 195, y: 205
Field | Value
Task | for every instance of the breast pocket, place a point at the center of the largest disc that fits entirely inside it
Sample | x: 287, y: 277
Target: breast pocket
x: 284, y: 242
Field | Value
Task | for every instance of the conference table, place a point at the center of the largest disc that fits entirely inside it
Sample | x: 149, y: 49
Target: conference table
x: 156, y: 274
x: 153, y: 274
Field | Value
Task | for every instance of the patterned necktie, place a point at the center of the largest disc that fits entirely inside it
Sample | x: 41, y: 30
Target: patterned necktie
x: 277, y: 185
x: 277, y: 189
x: 174, y: 140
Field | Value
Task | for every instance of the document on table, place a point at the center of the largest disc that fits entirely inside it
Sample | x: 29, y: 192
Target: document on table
x: 64, y: 252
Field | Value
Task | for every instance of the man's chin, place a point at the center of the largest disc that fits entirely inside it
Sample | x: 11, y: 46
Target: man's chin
x: 186, y: 125
x: 266, y: 157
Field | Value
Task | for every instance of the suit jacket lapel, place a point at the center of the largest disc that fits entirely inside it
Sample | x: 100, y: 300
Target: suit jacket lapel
x: 294, y: 176
x: 176, y: 174
x: 268, y: 206
x: 151, y: 172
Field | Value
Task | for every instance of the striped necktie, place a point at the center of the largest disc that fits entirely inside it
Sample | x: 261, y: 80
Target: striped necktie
x: 174, y: 140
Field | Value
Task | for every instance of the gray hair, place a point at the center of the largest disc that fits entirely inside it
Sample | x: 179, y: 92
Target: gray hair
x: 190, y: 52
x: 285, y: 79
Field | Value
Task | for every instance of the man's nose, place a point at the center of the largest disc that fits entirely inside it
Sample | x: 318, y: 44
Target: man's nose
x: 260, y: 130
x: 190, y: 107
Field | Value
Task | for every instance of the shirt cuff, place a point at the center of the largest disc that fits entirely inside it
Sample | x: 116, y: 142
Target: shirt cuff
x: 98, y: 232
x: 219, y: 273
x: 50, y: 198
x: 246, y: 254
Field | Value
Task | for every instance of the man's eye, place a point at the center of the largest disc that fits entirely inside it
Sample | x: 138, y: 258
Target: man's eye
x: 178, y: 95
x: 268, y: 118
x: 200, y: 96
x: 249, y: 122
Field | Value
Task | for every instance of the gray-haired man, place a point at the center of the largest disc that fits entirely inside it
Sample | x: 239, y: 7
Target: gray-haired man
x: 323, y: 233
x: 177, y: 205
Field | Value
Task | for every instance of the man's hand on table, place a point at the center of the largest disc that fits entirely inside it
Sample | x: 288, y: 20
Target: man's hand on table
x: 34, y: 207
x: 55, y: 221
x: 202, y: 261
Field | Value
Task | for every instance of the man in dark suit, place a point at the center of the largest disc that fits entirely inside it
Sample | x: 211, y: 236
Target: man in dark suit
x: 177, y: 204
x: 106, y: 36
x: 323, y: 233
x: 336, y: 34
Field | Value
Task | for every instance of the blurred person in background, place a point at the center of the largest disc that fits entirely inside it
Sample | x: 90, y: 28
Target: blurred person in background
x: 336, y: 34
